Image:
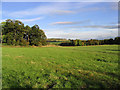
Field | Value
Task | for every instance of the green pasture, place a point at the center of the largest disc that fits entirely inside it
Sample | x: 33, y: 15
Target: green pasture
x: 60, y: 67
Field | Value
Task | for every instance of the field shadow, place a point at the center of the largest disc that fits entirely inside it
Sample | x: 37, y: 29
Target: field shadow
x: 103, y: 60
x: 93, y: 83
x: 81, y: 80
x: 89, y: 82
x: 113, y: 49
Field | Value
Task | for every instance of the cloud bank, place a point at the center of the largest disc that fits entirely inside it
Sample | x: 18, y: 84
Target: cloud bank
x: 97, y: 26
x: 69, y: 23
x: 101, y: 34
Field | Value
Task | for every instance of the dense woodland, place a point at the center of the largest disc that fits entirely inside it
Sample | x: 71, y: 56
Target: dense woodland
x: 14, y: 32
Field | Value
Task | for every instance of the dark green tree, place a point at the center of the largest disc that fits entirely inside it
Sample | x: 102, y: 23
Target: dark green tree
x: 15, y: 33
x: 117, y: 40
x: 79, y: 43
x: 37, y: 36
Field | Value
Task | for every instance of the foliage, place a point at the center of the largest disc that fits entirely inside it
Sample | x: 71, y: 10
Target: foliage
x: 78, y: 42
x: 15, y: 33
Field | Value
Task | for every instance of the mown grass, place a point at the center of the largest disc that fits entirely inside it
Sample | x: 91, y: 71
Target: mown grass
x: 60, y: 67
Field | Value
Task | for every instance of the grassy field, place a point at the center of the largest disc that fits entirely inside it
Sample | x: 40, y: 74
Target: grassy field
x: 54, y: 43
x: 60, y: 67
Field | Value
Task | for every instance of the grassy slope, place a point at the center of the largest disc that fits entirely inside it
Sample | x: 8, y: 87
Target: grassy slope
x: 63, y: 67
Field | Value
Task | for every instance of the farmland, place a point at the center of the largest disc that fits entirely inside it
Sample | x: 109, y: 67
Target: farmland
x: 60, y: 67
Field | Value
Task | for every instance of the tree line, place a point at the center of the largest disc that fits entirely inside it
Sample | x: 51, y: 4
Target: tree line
x: 14, y: 32
x: 78, y: 42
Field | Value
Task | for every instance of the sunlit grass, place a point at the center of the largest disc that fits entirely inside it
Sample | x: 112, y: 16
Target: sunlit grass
x: 60, y: 67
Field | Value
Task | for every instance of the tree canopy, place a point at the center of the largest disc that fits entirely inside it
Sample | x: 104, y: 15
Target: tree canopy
x: 14, y: 32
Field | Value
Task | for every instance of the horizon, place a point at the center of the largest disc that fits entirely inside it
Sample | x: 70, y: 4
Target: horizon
x: 78, y: 20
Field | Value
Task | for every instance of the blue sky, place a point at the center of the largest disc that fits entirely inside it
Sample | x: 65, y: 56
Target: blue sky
x: 74, y: 20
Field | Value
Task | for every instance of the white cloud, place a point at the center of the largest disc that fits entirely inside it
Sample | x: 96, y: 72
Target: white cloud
x: 41, y: 10
x: 30, y: 20
x: 61, y: 23
x: 69, y: 23
x: 55, y: 8
x: 50, y: 9
x: 84, y: 35
x: 97, y: 26
x: 25, y: 20
x: 2, y: 20
x: 115, y: 29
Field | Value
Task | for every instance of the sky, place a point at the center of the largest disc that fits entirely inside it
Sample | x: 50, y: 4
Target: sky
x: 70, y: 20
